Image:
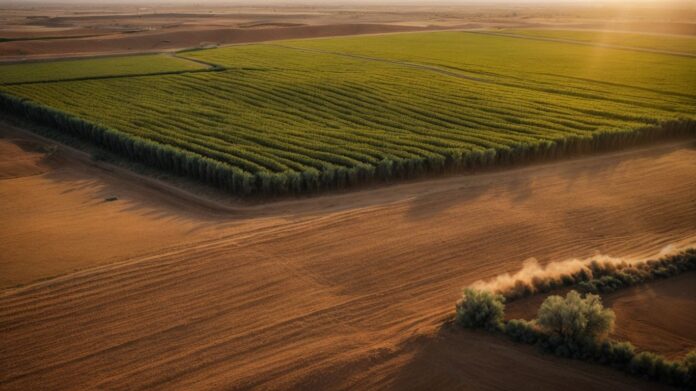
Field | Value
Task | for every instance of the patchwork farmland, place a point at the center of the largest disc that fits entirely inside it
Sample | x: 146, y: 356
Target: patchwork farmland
x: 306, y: 115
x: 363, y: 182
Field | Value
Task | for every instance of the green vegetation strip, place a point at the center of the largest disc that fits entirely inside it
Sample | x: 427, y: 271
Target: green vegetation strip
x: 94, y: 68
x: 577, y: 326
x: 310, y: 115
x: 605, y: 276
x: 669, y: 43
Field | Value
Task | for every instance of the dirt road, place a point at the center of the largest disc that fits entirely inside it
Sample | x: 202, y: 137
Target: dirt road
x: 340, y: 291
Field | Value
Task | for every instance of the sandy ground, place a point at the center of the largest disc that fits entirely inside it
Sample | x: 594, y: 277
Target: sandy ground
x: 339, y: 291
x: 22, y: 158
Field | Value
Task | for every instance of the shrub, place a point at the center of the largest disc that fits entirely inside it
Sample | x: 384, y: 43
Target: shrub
x: 574, y: 318
x: 689, y: 367
x: 521, y: 330
x: 619, y: 354
x: 480, y: 309
x: 606, y: 276
x: 575, y: 326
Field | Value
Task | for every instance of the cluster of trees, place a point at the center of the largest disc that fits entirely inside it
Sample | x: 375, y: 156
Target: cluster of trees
x: 574, y: 327
x: 575, y: 318
x: 480, y: 309
x: 607, y: 276
x: 233, y: 178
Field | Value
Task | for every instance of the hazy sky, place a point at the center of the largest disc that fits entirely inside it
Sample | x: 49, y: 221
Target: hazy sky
x: 679, y: 4
x: 348, y: 2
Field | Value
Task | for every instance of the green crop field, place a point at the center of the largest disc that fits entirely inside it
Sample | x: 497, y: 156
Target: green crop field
x: 295, y: 116
x: 95, y: 67
x: 683, y: 44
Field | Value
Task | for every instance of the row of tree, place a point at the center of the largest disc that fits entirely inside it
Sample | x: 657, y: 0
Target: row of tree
x: 605, y: 276
x: 238, y: 181
x: 574, y: 327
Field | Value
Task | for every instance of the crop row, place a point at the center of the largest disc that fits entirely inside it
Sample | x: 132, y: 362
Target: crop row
x: 95, y: 67
x: 288, y: 120
x: 682, y: 44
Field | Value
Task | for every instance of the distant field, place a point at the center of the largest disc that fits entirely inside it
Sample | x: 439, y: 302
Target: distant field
x: 94, y: 67
x: 685, y: 44
x: 304, y: 115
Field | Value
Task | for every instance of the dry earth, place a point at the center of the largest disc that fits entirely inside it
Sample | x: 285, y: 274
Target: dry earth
x: 158, y: 41
x: 659, y: 316
x: 339, y: 291
x: 33, y: 32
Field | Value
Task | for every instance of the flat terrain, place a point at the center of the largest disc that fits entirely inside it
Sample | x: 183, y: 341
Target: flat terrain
x: 657, y: 316
x: 32, y: 32
x: 114, y: 280
x: 297, y: 116
x: 682, y: 44
x: 347, y: 290
x: 96, y: 67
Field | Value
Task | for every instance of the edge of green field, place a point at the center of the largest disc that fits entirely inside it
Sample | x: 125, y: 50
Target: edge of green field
x: 99, y: 67
x: 625, y: 111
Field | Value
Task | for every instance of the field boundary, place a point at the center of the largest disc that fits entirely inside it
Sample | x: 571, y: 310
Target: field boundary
x: 583, y: 43
x: 7, y: 60
x: 601, y: 275
x: 210, y: 68
x: 21, y: 83
x: 234, y: 180
x: 485, y: 308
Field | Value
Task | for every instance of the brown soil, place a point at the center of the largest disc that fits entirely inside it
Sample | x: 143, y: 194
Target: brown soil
x: 87, y: 29
x: 19, y: 158
x: 180, y: 38
x: 657, y: 317
x: 458, y: 359
x: 346, y: 290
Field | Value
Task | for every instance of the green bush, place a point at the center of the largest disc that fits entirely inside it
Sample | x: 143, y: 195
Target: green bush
x: 617, y: 354
x: 480, y: 309
x: 655, y: 367
x: 575, y: 319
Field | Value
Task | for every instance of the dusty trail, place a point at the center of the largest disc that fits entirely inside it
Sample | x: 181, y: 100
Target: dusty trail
x: 340, y: 291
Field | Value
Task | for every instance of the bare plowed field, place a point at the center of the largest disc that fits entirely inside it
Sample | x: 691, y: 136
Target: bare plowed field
x: 334, y: 291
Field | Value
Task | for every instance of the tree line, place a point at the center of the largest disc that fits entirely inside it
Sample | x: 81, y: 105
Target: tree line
x: 577, y: 326
x: 238, y: 181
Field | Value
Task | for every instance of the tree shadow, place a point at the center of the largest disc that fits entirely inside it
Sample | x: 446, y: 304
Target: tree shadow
x: 518, y: 184
x: 455, y: 358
